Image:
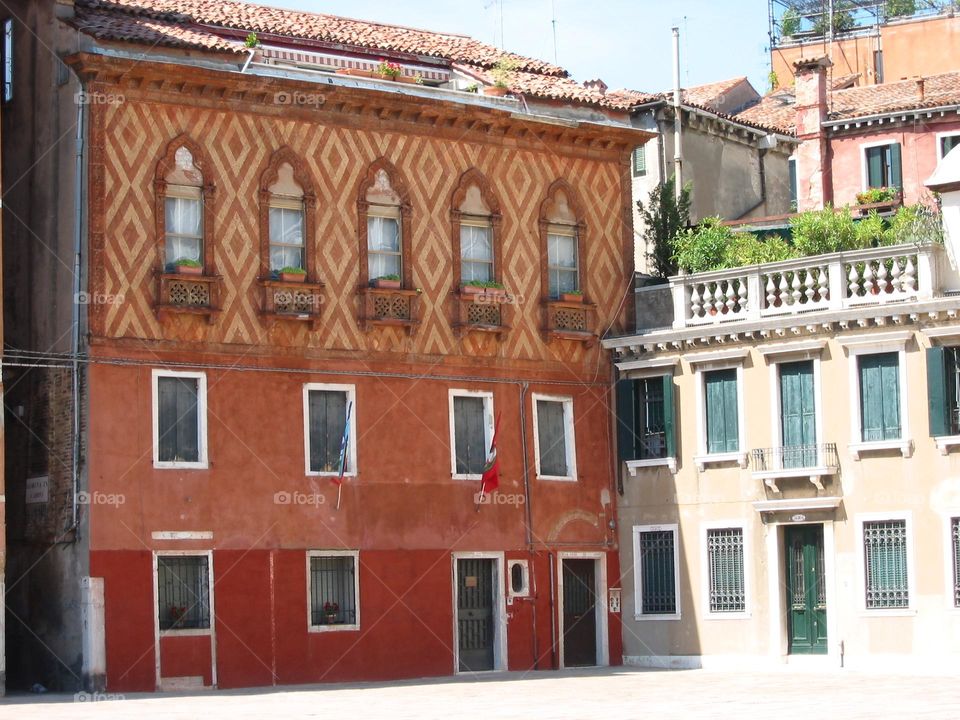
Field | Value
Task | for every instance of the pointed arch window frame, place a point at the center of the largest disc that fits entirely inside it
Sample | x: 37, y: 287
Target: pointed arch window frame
x: 404, y: 209
x: 269, y: 176
x: 470, y: 178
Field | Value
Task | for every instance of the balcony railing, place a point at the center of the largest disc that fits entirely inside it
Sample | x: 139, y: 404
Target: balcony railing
x: 812, y: 461
x: 837, y: 281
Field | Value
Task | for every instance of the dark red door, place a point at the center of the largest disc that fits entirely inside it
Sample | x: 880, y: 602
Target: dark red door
x: 579, y: 613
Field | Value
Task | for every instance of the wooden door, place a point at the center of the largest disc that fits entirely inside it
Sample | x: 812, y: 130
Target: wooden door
x: 579, y: 613
x: 806, y: 590
x: 475, y: 628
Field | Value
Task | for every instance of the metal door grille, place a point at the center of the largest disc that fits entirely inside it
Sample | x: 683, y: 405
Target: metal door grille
x: 183, y: 592
x: 799, y: 585
x: 955, y: 534
x: 725, y: 561
x: 657, y: 578
x: 333, y: 590
x: 885, y: 555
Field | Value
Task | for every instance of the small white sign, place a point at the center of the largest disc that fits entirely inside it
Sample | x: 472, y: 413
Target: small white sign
x: 799, y: 518
x: 38, y: 490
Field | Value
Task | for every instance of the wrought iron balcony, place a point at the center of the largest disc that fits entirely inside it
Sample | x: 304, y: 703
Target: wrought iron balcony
x: 805, y: 286
x: 805, y: 461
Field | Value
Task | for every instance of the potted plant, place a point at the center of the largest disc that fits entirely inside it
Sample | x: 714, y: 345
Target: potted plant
x: 186, y: 266
x: 389, y: 70
x: 872, y: 196
x: 386, y: 282
x: 178, y: 613
x: 501, y: 76
x: 330, y: 610
x: 251, y: 41
x: 490, y: 288
x: 292, y: 274
x: 574, y: 296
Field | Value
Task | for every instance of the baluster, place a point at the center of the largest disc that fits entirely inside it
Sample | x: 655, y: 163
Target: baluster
x: 771, y: 291
x: 895, y: 273
x: 910, y: 276
x: 696, y: 302
x: 882, y: 276
x: 867, y: 278
x: 731, y: 296
x: 809, y: 292
x: 795, y: 286
x: 784, y: 289
x: 718, y: 300
x: 742, y: 295
x: 854, y: 277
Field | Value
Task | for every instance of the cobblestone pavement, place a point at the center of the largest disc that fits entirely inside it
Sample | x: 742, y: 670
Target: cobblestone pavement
x: 614, y: 693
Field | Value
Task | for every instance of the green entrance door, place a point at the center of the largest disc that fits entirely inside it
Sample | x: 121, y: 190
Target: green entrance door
x: 798, y: 413
x: 806, y: 590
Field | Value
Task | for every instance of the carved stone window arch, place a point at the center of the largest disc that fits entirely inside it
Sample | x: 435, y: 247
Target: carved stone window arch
x: 473, y: 205
x: 382, y: 195
x: 184, y: 212
x: 285, y: 185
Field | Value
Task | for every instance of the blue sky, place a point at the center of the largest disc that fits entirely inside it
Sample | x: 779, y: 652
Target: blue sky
x: 626, y: 43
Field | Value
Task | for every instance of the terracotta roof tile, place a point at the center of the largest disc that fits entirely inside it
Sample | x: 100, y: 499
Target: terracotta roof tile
x: 775, y: 110
x: 709, y: 95
x: 261, y: 19
x: 110, y: 26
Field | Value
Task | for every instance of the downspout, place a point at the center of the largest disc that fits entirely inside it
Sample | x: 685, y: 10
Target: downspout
x: 253, y: 51
x: 75, y: 334
x: 524, y: 387
x: 677, y: 117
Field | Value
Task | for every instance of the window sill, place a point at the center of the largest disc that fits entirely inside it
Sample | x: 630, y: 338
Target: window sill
x: 669, y: 462
x: 458, y: 476
x: 185, y: 632
x: 557, y: 478
x: 180, y: 465
x: 740, y: 458
x: 348, y: 474
x: 646, y: 618
x: 727, y: 616
x: 904, y: 446
x: 945, y: 442
x: 893, y: 612
x: 333, y: 628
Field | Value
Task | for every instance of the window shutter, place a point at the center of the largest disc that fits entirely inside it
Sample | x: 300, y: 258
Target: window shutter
x: 551, y: 438
x: 937, y: 392
x: 871, y: 409
x: 167, y: 419
x: 626, y: 397
x: 469, y: 435
x: 318, y: 430
x: 669, y: 420
x: 731, y: 420
x: 716, y: 437
x: 188, y: 430
x: 896, y: 171
x: 875, y: 167
x: 640, y: 161
x: 890, y: 395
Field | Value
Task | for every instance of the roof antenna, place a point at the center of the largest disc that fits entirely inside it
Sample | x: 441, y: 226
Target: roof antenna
x: 553, y: 21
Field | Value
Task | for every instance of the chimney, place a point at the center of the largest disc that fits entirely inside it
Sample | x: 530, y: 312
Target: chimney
x: 920, y: 90
x: 813, y: 169
x: 598, y: 85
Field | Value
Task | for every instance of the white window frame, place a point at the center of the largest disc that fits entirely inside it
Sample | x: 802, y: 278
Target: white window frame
x: 940, y: 137
x: 185, y: 192
x: 864, y: 165
x: 723, y: 360
x: 569, y: 231
x: 351, y: 391
x: 525, y: 590
x: 182, y: 632
x: 569, y: 436
x: 911, y: 608
x: 478, y: 221
x: 487, y: 428
x: 201, y: 378
x: 948, y: 518
x: 355, y: 554
x: 297, y: 204
x: 638, y: 613
x: 874, y: 344
x: 705, y: 570
x: 385, y: 212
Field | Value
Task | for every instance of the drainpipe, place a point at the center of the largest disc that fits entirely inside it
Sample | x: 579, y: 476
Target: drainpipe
x: 553, y: 614
x: 526, y: 466
x: 677, y: 116
x: 75, y: 334
x: 252, y: 52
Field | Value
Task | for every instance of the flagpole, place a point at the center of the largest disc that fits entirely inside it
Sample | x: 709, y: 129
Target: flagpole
x: 343, y: 453
x: 339, y: 492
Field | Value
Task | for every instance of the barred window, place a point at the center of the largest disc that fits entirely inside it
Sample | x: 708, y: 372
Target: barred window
x: 333, y: 590
x: 656, y: 571
x: 955, y: 536
x: 885, y: 561
x: 725, y: 565
x: 183, y: 592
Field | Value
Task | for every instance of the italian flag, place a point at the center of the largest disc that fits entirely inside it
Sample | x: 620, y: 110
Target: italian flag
x: 490, y: 479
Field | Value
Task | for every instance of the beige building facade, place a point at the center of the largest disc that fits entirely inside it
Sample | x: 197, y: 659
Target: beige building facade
x: 790, y: 457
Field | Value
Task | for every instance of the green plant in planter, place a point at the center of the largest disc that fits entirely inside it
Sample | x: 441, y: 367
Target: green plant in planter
x: 501, y: 71
x: 747, y: 249
x: 702, y: 248
x: 877, y: 195
x: 822, y: 231
x: 578, y: 293
x: 491, y: 284
x: 251, y: 41
x: 291, y: 270
x: 913, y: 224
x: 389, y: 69
x: 186, y: 262
x: 870, y: 231
x: 392, y: 276
x: 790, y: 23
x: 472, y: 88
x: 664, y: 217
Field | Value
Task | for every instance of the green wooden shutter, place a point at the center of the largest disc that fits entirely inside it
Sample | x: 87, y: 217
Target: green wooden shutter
x: 640, y: 161
x: 167, y: 419
x: 669, y: 418
x: 626, y: 396
x: 937, y: 406
x: 875, y: 167
x: 720, y: 388
x: 792, y: 168
x: 880, y: 397
x: 731, y: 416
x: 890, y: 383
x: 469, y: 436
x: 798, y: 413
x: 896, y: 167
x: 188, y: 420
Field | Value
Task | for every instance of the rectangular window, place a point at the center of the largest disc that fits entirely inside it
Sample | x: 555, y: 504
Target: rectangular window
x: 471, y: 432
x: 883, y: 166
x: 879, y: 396
x: 948, y: 143
x: 727, y: 586
x: 943, y: 390
x: 334, y: 590
x: 562, y: 261
x: 720, y: 392
x: 640, y: 161
x: 885, y: 563
x: 476, y: 252
x: 8, y: 60
x: 286, y: 236
x: 179, y: 419
x: 384, y: 257
x: 183, y: 592
x: 655, y: 550
x: 651, y: 418
x: 955, y: 549
x: 554, y: 437
x: 328, y: 439
x: 183, y: 224
x: 645, y: 418
x: 792, y: 171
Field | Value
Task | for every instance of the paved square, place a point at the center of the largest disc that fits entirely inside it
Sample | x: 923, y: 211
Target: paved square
x: 614, y: 693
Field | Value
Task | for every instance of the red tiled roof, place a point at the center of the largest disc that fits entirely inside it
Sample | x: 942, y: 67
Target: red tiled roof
x: 110, y: 26
x: 711, y: 94
x: 265, y: 20
x: 777, y: 108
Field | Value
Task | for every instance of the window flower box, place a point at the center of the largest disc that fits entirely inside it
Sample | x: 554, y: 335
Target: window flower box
x: 386, y: 283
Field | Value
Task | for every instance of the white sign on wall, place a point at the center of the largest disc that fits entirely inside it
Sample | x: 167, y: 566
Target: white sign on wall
x: 38, y: 490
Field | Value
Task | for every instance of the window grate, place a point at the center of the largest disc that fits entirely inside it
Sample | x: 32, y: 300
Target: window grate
x: 183, y: 592
x: 955, y: 534
x: 658, y: 584
x: 652, y: 430
x: 885, y: 556
x: 333, y: 590
x: 725, y: 561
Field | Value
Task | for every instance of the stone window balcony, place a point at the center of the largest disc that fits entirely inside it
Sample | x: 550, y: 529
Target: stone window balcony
x: 188, y: 294
x: 810, y: 462
x: 485, y: 312
x: 385, y: 307
x: 570, y: 321
x: 297, y: 301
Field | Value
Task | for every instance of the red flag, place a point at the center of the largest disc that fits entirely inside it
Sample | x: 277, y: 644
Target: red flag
x: 490, y: 480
